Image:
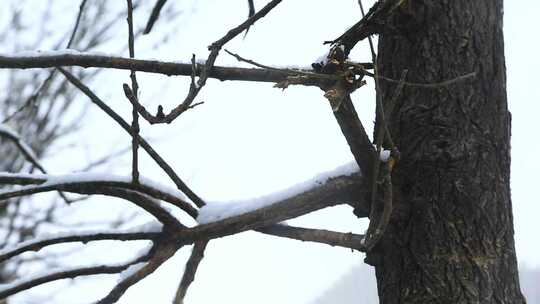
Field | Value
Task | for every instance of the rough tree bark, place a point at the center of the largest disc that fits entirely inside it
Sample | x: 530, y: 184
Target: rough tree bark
x: 450, y: 239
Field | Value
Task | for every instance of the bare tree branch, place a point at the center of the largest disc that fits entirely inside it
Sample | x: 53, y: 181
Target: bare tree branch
x: 154, y: 16
x: 336, y: 191
x: 135, y: 89
x: 163, y: 252
x: 42, y: 184
x: 149, y: 66
x: 373, y: 22
x: 36, y: 245
x: 11, y: 289
x: 197, y: 86
x: 332, y: 238
x: 76, y: 26
x: 22, y: 146
x: 144, y: 144
x: 197, y: 254
x: 356, y: 135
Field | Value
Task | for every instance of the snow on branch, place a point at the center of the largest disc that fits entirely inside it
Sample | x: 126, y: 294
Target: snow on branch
x: 83, y: 182
x: 92, y: 60
x: 215, y: 211
x: 339, y: 190
x: 339, y: 186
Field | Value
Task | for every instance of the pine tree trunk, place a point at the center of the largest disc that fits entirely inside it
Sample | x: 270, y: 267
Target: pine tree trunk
x: 450, y: 239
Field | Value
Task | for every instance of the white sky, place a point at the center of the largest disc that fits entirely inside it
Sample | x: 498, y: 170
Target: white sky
x: 251, y: 139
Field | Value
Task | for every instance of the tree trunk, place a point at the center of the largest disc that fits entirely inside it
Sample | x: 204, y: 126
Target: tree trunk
x: 450, y: 239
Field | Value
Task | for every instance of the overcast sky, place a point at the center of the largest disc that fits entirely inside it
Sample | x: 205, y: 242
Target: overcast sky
x: 251, y: 139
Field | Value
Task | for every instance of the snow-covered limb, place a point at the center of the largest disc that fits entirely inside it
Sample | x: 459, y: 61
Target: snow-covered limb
x: 339, y: 190
x: 53, y: 53
x: 109, y: 188
x: 99, y: 60
x: 86, y: 60
x: 215, y: 211
x: 86, y: 177
x: 37, y: 183
x: 332, y: 191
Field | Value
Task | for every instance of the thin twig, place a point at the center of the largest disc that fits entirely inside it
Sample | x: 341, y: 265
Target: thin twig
x: 197, y: 254
x: 214, y: 48
x: 77, y: 22
x: 135, y: 89
x: 251, y: 12
x: 154, y: 16
x: 292, y: 72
